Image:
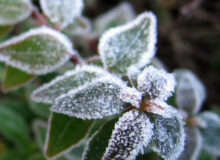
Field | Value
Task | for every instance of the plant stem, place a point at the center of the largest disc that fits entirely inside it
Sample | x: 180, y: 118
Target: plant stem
x: 39, y: 17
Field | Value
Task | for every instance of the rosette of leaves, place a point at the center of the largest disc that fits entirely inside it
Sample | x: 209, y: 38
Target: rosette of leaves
x: 202, y: 129
x: 89, y: 93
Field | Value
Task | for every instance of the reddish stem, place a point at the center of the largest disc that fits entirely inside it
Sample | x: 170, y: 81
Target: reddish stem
x: 39, y: 17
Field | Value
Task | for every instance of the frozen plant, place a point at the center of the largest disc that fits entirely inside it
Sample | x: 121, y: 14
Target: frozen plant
x: 202, y: 129
x: 117, y: 110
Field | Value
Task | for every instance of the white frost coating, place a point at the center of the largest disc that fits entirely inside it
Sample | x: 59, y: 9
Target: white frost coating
x: 157, y: 83
x: 132, y: 133
x: 62, y: 39
x: 190, y: 91
x: 163, y: 109
x: 92, y: 101
x: 62, y: 12
x: 133, y: 72
x: 131, y: 95
x: 151, y: 40
x: 5, y: 11
x: 121, y: 14
x: 69, y: 81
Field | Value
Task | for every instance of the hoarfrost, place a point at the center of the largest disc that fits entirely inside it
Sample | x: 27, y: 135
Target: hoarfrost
x: 169, y: 136
x: 37, y: 51
x: 133, y: 72
x: 131, y: 95
x: 132, y: 133
x: 157, y: 83
x: 69, y: 81
x: 14, y: 11
x: 62, y: 12
x: 193, y: 144
x: 117, y: 16
x: 190, y: 91
x: 211, y: 132
x: 129, y: 44
x: 92, y: 101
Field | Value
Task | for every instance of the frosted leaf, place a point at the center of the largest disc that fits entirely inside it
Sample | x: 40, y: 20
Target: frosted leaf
x: 69, y: 81
x: 161, y: 108
x: 37, y: 51
x: 92, y: 101
x: 117, y: 16
x: 157, y: 63
x: 80, y: 26
x: 129, y: 44
x: 62, y: 12
x: 157, y: 83
x: 169, y: 136
x: 193, y: 144
x: 132, y: 133
x: 211, y: 132
x: 131, y: 95
x: 190, y: 92
x: 14, y: 11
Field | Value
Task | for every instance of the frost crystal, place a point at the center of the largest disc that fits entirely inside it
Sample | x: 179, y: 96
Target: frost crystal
x: 190, y: 91
x: 133, y: 72
x: 92, y: 101
x: 37, y: 51
x: 62, y: 12
x: 157, y: 83
x: 129, y: 44
x: 69, y: 81
x: 168, y: 136
x: 14, y: 11
x: 117, y: 16
x: 193, y: 144
x: 132, y: 133
x: 131, y: 95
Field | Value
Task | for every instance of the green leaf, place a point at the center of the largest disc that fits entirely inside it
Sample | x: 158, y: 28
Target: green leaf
x: 69, y: 81
x: 14, y: 11
x: 190, y: 91
x: 193, y: 144
x: 119, y: 15
x: 148, y: 156
x: 169, y: 136
x: 62, y: 12
x: 129, y: 44
x: 92, y: 101
x: 133, y: 132
x: 12, y: 154
x: 99, y: 141
x: 65, y: 133
x: 15, y: 78
x: 40, y: 129
x: 211, y: 132
x: 37, y: 51
x: 4, y: 30
x: 205, y: 155
x: 13, y: 127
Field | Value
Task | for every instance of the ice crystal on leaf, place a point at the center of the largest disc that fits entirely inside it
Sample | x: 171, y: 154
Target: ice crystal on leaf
x: 190, y: 91
x: 92, y: 101
x: 156, y: 83
x: 62, y: 12
x: 132, y: 133
x: 129, y: 44
x: 169, y: 136
x: 69, y: 81
x: 37, y: 51
x: 14, y: 11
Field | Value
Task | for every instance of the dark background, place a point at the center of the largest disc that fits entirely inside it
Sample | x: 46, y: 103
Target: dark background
x: 188, y: 37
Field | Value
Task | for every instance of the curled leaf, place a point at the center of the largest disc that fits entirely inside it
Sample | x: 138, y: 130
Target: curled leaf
x: 37, y: 51
x: 190, y: 92
x: 132, y: 133
x: 129, y: 44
